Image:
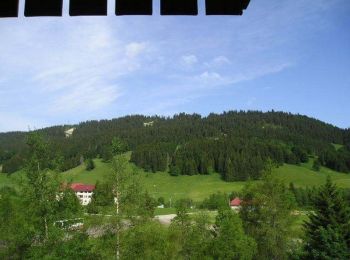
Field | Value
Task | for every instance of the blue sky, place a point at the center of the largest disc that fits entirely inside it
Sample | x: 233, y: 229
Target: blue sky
x: 290, y: 55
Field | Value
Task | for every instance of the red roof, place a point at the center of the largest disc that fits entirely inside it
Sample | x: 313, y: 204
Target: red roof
x: 236, y: 202
x: 82, y: 187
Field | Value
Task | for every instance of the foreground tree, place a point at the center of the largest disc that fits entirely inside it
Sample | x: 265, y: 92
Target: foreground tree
x: 189, y: 237
x: 145, y: 241
x: 266, y: 215
x: 328, y: 230
x: 43, y: 187
x: 16, y: 232
x: 231, y: 242
x: 132, y: 204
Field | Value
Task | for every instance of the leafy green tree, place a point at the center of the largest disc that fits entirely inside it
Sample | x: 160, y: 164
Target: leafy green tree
x: 118, y: 146
x: 161, y: 201
x: 43, y: 187
x: 328, y: 229
x: 266, y: 215
x: 16, y: 231
x: 231, y: 242
x: 182, y: 217
x: 76, y: 247
x: 131, y: 201
x: 145, y: 241
x: 102, y: 195
x: 216, y: 201
x: 189, y: 238
x: 68, y: 205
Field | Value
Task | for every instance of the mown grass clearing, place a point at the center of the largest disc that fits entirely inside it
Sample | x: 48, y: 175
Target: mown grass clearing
x: 303, y: 176
x: 338, y: 146
x: 197, y: 187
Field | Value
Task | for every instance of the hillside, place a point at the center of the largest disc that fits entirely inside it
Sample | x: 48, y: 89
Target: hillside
x: 235, y: 144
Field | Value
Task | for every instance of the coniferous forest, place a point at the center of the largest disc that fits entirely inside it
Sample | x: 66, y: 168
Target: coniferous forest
x: 235, y: 144
x: 42, y: 218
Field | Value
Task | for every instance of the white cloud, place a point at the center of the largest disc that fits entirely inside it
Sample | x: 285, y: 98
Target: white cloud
x: 88, y: 97
x: 189, y: 60
x: 134, y: 49
x: 75, y: 67
x: 218, y: 62
x: 211, y: 78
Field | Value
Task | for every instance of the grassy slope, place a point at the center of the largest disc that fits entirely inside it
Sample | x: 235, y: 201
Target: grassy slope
x: 338, y: 146
x: 303, y: 175
x: 160, y: 184
x: 197, y: 187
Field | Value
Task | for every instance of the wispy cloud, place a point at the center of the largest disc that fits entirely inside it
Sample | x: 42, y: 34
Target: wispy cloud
x: 78, y: 67
x: 134, y: 49
x: 189, y: 60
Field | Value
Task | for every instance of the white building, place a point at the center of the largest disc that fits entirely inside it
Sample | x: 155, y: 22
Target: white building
x: 84, y: 192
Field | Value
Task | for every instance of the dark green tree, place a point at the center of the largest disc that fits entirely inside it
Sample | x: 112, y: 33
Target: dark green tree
x: 90, y: 165
x: 328, y: 229
x: 316, y: 166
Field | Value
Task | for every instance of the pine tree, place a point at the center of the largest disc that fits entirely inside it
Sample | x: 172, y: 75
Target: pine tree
x: 90, y: 165
x: 316, y: 165
x: 229, y: 170
x: 328, y: 230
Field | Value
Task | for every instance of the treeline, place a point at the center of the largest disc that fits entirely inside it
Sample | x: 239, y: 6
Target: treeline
x: 338, y: 160
x: 153, y: 157
x: 91, y: 139
x: 236, y: 159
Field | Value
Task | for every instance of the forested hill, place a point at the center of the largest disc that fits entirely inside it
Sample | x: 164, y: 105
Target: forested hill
x: 236, y: 144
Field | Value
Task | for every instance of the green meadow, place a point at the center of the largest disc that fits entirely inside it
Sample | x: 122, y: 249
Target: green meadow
x: 197, y: 187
